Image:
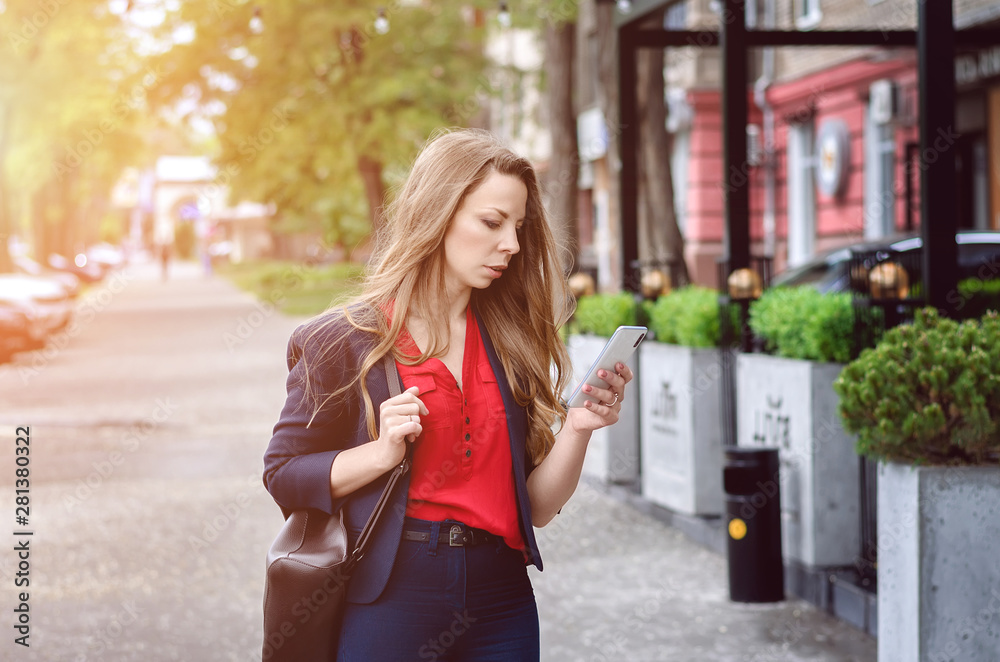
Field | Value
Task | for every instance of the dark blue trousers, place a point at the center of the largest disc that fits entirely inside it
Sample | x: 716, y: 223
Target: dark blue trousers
x: 442, y: 603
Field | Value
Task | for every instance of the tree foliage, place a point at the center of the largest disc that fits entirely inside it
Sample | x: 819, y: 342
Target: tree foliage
x: 313, y: 107
x: 71, y: 111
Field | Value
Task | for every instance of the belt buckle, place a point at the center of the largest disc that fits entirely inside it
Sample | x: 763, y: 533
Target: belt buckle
x: 455, y: 538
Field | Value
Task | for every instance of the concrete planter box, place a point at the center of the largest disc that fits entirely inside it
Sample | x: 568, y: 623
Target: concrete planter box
x: 613, y: 452
x: 938, y: 563
x: 790, y: 404
x: 681, y: 426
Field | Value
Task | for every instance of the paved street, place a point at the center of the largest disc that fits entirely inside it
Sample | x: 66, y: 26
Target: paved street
x: 148, y: 421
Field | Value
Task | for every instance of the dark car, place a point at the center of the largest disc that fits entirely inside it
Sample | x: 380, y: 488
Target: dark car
x: 978, y: 257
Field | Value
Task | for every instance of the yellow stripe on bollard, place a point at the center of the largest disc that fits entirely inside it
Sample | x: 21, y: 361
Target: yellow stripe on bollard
x: 737, y: 528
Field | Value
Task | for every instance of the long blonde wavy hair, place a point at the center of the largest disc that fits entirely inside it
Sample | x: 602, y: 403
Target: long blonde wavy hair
x: 522, y: 311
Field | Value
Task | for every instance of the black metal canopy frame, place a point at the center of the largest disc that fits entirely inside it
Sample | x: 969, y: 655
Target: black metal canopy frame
x: 934, y: 40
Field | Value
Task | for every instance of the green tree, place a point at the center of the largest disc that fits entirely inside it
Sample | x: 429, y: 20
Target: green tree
x: 314, y: 107
x: 71, y: 102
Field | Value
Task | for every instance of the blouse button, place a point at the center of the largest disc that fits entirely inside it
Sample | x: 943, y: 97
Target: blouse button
x: 468, y: 436
x: 466, y: 420
x: 468, y: 452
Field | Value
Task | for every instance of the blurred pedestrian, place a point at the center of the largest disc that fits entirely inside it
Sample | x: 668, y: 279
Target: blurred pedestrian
x: 163, y: 240
x: 467, y: 292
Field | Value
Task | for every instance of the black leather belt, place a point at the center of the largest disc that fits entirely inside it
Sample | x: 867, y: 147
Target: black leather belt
x: 454, y: 536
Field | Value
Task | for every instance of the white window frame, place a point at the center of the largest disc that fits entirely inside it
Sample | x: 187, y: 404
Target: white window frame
x: 807, y: 14
x: 679, y: 175
x: 879, y: 178
x: 801, y: 192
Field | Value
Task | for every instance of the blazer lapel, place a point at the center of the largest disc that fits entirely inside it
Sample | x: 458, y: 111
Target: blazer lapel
x: 517, y: 428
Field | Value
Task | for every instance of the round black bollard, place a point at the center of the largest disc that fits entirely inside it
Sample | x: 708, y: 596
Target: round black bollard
x: 753, y: 517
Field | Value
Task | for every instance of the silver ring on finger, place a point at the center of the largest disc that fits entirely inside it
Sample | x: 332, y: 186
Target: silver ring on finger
x: 615, y: 402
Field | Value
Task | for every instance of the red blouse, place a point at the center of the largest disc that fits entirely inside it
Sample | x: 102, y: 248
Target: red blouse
x: 462, y: 466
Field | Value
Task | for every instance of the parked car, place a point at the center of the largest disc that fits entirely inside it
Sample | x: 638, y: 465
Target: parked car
x: 978, y: 256
x: 26, y: 265
x: 88, y: 273
x: 19, y: 331
x: 106, y: 257
x: 45, y: 298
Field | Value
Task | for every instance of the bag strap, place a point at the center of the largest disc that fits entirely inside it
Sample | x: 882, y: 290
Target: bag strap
x: 395, y: 388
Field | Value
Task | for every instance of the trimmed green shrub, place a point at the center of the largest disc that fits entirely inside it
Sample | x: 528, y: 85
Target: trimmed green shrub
x: 601, y: 314
x: 928, y: 393
x: 687, y: 316
x: 802, y: 323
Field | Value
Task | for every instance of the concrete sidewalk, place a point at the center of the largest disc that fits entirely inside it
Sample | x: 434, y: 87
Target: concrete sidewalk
x: 620, y: 585
x: 148, y: 428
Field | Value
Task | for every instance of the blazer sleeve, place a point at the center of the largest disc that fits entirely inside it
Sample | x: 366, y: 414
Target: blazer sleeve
x: 299, y: 456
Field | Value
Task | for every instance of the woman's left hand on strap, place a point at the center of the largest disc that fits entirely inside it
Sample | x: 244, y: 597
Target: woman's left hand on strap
x: 595, y: 415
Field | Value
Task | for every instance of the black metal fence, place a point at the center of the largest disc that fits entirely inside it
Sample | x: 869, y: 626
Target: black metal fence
x: 886, y: 289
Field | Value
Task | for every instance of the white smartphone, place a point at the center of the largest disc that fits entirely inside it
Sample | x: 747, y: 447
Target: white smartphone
x: 618, y: 349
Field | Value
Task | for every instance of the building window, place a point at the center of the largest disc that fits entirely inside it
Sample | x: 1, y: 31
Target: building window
x: 801, y: 193
x: 879, y: 176
x: 675, y: 17
x: 807, y: 14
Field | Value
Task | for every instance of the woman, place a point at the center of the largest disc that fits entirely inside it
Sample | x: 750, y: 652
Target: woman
x: 468, y: 294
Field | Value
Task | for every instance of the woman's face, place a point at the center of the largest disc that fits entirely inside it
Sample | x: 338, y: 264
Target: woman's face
x: 483, y: 235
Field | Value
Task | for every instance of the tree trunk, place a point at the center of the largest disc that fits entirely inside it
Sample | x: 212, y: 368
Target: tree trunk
x: 564, y: 167
x: 371, y: 177
x: 6, y: 222
x: 659, y: 235
x: 40, y: 224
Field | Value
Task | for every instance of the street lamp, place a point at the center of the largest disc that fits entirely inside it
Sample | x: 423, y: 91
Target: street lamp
x: 381, y: 21
x: 654, y: 284
x: 744, y: 284
x: 581, y: 284
x: 256, y: 23
x: 503, y: 18
x: 889, y: 280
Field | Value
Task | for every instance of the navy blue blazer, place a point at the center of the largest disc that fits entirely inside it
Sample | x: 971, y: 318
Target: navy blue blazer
x: 298, y: 458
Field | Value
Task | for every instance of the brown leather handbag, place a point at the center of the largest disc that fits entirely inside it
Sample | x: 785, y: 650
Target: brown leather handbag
x: 308, y: 567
